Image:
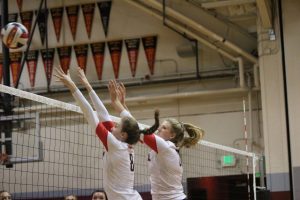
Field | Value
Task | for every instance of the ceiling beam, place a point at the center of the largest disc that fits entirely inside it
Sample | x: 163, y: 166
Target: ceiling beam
x: 188, y: 22
x: 216, y: 4
x: 265, y: 14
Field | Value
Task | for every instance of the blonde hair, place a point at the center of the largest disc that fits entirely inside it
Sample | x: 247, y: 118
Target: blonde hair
x: 180, y: 140
x: 71, y: 196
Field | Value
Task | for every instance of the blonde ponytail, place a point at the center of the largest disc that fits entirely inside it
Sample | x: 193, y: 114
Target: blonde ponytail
x: 195, y: 134
x: 179, y: 129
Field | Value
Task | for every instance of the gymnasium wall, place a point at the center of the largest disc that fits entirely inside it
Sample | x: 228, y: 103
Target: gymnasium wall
x: 204, y: 110
x: 273, y: 100
x: 125, y: 22
x: 221, y: 116
x: 291, y: 33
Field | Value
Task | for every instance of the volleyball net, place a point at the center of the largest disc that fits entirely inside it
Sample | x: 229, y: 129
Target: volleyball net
x: 49, y: 151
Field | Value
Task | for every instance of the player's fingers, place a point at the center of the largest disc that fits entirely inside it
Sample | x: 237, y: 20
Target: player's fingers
x: 58, y: 69
x: 80, y: 70
x: 110, y: 86
x: 122, y: 86
x: 57, y: 73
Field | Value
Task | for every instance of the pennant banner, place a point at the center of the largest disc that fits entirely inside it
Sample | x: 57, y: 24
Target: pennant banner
x: 15, y: 64
x: 104, y: 8
x: 132, y: 46
x: 149, y: 44
x: 42, y: 22
x: 47, y: 57
x: 88, y: 14
x: 57, y: 14
x: 26, y: 18
x: 115, y: 49
x: 20, y: 4
x: 64, y: 54
x: 31, y: 61
x: 98, y: 51
x: 81, y: 52
x: 72, y: 12
x: 12, y: 17
x: 1, y: 67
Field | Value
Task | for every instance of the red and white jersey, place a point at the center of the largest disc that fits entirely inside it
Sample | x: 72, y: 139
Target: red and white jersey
x: 118, y: 160
x: 164, y: 166
x: 165, y: 169
x: 118, y: 167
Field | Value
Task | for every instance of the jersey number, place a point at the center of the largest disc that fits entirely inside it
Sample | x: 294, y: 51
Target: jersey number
x: 131, y: 162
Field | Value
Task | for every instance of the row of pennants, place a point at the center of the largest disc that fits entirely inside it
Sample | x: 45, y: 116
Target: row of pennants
x: 57, y: 15
x: 81, y: 52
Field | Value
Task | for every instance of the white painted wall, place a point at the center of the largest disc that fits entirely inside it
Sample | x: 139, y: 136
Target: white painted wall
x: 291, y: 33
x: 291, y: 39
x: 273, y: 99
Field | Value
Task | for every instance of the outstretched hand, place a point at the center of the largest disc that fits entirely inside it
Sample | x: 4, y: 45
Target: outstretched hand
x: 64, y: 78
x: 122, y: 92
x: 81, y: 75
x: 83, y: 79
x: 114, y: 96
x: 113, y: 91
x: 117, y: 90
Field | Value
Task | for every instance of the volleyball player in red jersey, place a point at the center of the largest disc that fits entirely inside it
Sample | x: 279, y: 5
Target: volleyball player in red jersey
x: 118, y: 160
x: 164, y: 159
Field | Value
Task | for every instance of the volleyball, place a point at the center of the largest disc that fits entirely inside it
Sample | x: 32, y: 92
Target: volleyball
x: 14, y: 35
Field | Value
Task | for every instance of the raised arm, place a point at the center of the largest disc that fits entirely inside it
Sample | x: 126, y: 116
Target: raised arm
x: 81, y: 101
x: 118, y: 94
x: 115, y: 99
x: 97, y: 103
x: 122, y: 94
x: 88, y: 112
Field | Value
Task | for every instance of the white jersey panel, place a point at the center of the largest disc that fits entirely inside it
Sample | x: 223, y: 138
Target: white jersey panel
x: 118, y: 170
x: 165, y: 172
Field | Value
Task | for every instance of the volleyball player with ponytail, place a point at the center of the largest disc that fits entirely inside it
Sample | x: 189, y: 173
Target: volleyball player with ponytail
x: 118, y: 161
x: 164, y: 159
